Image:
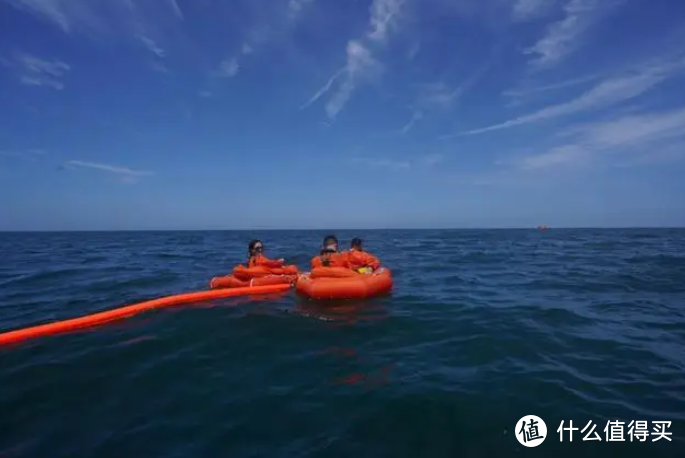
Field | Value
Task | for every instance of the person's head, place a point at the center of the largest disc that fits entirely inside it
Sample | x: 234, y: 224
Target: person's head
x: 330, y: 244
x: 356, y: 244
x: 255, y: 247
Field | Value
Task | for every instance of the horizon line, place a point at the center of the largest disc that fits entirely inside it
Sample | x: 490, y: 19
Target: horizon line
x: 266, y: 229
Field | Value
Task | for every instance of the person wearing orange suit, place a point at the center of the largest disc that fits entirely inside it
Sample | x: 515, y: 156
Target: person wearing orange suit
x: 330, y: 256
x: 256, y: 256
x: 360, y: 260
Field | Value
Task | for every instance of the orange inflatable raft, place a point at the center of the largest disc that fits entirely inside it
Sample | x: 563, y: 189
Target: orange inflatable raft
x: 333, y: 283
x: 256, y: 276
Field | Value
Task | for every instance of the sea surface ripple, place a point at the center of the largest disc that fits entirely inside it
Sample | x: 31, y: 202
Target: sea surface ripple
x: 483, y: 327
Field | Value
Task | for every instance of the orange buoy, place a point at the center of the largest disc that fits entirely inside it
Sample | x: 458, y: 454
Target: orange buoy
x: 334, y: 283
x: 130, y: 310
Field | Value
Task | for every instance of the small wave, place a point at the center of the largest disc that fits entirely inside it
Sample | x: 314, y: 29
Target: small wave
x: 482, y: 327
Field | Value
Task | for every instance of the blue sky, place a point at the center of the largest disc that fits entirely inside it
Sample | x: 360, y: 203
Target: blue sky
x: 209, y: 114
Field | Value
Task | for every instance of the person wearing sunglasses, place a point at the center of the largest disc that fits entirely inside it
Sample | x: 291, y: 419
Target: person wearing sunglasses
x: 256, y: 256
x: 330, y: 256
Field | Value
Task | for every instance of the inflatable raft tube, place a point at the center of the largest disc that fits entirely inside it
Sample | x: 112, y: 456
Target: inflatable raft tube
x: 248, y: 273
x: 130, y: 310
x: 230, y: 281
x: 335, y: 283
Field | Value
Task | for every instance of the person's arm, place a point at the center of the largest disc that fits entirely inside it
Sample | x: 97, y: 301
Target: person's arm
x: 372, y: 261
x: 272, y: 263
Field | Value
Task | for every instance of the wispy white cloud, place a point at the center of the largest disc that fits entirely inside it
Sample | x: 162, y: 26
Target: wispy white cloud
x: 669, y: 154
x: 383, y: 163
x: 61, y: 14
x: 117, y: 170
x: 486, y: 12
x: 563, y: 37
x: 438, y: 95
x: 564, y: 154
x: 295, y: 7
x: 326, y: 87
x: 644, y: 134
x: 431, y: 160
x: 384, y: 14
x: 39, y: 81
x: 635, y: 129
x: 34, y: 71
x: 44, y: 68
x: 29, y: 155
x: 173, y: 4
x: 262, y: 33
x: 257, y: 36
x: 152, y: 46
x: 228, y: 68
x: 361, y: 65
x: 608, y: 92
x: 524, y: 10
x: 159, y: 67
x: 420, y: 162
x: 132, y: 20
x: 413, y: 51
x: 522, y: 92
x: 416, y: 117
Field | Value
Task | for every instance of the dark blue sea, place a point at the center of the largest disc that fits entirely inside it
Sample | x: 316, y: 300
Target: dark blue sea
x: 483, y: 327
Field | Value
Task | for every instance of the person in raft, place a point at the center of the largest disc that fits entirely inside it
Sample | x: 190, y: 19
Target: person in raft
x: 330, y: 256
x: 360, y: 260
x: 256, y: 256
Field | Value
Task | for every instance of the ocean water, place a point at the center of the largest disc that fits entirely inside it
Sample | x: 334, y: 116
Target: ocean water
x: 482, y: 329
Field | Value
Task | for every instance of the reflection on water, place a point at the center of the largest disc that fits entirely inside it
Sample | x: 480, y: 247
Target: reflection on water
x: 342, y: 313
x: 363, y: 369
x: 237, y: 301
x: 133, y: 341
x: 369, y: 377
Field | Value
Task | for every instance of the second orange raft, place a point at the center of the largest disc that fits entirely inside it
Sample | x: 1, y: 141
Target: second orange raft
x: 256, y: 276
x: 335, y: 283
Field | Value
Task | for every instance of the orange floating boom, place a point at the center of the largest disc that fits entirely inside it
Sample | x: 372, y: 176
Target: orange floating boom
x: 130, y: 310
